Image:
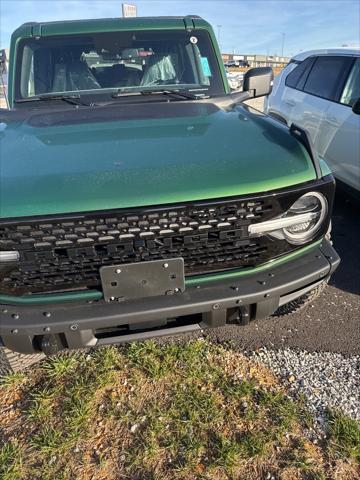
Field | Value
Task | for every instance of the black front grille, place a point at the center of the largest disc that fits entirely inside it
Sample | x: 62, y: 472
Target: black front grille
x: 59, y: 254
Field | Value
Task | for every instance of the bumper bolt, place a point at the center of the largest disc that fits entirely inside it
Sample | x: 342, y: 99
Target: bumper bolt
x: 118, y: 270
x: 262, y: 282
x: 74, y: 327
x: 15, y: 331
x: 267, y: 295
x: 235, y: 288
x: 4, y: 310
x: 15, y: 316
x: 216, y: 306
x: 47, y: 329
x: 166, y: 265
x: 47, y: 314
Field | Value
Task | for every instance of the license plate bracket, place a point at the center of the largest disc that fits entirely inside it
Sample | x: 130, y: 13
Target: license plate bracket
x: 142, y: 279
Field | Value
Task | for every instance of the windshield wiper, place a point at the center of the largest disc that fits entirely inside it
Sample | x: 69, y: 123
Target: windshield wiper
x: 72, y: 99
x: 179, y: 93
x: 185, y: 94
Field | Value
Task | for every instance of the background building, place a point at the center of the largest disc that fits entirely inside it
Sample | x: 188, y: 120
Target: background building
x: 258, y: 60
x: 4, y: 59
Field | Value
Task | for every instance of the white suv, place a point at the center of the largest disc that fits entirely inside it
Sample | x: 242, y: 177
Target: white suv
x: 319, y: 90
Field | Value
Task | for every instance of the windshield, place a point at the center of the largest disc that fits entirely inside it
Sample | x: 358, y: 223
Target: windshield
x: 129, y: 61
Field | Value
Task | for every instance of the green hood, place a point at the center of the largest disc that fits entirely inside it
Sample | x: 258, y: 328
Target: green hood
x: 136, y: 155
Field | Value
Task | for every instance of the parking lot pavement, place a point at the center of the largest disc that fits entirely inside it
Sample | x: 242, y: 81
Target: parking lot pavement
x: 332, y: 322
x: 257, y: 103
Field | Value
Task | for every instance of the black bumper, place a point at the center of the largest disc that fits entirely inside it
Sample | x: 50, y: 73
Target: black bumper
x: 27, y: 329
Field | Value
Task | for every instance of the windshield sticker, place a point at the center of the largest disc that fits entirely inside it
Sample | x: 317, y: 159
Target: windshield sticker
x: 193, y: 40
x: 205, y: 66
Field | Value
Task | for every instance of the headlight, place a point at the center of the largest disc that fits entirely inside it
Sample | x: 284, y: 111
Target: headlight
x: 300, y: 223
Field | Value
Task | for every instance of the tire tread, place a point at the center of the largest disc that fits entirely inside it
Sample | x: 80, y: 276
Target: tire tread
x: 12, y: 362
x: 301, y: 302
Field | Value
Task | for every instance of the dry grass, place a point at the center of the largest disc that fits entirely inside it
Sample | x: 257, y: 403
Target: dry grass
x: 194, y: 411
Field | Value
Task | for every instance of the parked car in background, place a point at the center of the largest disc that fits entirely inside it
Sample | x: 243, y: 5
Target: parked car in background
x: 235, y: 80
x: 319, y: 90
x: 236, y: 63
x: 232, y: 64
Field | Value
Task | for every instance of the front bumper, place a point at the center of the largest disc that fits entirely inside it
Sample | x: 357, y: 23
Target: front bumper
x: 28, y: 329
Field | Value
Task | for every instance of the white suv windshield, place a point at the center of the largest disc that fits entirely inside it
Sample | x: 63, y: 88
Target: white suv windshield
x: 118, y: 60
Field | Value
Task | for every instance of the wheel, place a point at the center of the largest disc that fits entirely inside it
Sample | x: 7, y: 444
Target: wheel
x: 304, y: 300
x: 301, y: 302
x: 11, y: 362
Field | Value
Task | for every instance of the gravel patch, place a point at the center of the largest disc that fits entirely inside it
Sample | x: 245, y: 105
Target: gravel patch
x: 325, y: 379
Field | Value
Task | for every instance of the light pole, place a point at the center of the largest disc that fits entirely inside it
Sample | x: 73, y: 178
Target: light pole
x: 282, y: 44
x: 219, y: 28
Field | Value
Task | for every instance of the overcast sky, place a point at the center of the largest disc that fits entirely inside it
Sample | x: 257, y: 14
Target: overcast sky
x: 247, y: 26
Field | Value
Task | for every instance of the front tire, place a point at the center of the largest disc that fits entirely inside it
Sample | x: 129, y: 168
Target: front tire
x: 12, y: 362
x: 301, y: 302
x: 309, y: 297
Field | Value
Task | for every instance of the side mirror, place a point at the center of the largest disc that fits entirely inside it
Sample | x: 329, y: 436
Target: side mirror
x: 258, y: 81
x: 356, y: 107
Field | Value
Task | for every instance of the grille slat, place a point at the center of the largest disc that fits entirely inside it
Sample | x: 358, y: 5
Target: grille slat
x: 59, y: 254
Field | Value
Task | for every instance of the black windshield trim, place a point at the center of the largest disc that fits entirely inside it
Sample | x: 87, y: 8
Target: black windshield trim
x: 72, y: 99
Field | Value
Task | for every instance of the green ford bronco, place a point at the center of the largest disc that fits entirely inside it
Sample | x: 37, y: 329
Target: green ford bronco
x: 128, y: 209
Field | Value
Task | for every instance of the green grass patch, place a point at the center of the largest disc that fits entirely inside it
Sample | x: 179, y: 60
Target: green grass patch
x: 176, y: 412
x: 59, y: 367
x: 344, y: 435
x: 11, y: 462
x: 13, y: 380
x: 48, y: 440
x: 42, y: 404
x: 225, y: 451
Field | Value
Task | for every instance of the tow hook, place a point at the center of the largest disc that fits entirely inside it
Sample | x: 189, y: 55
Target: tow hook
x: 51, y: 344
x: 240, y: 315
x: 244, y: 315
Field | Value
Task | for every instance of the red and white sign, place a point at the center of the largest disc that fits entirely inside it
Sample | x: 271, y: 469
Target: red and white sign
x: 129, y: 10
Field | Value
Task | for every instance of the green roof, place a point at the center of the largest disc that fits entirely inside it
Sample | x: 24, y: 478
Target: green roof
x: 68, y: 27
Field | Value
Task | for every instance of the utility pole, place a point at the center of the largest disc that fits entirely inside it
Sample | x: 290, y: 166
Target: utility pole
x: 282, y: 44
x: 219, y: 29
